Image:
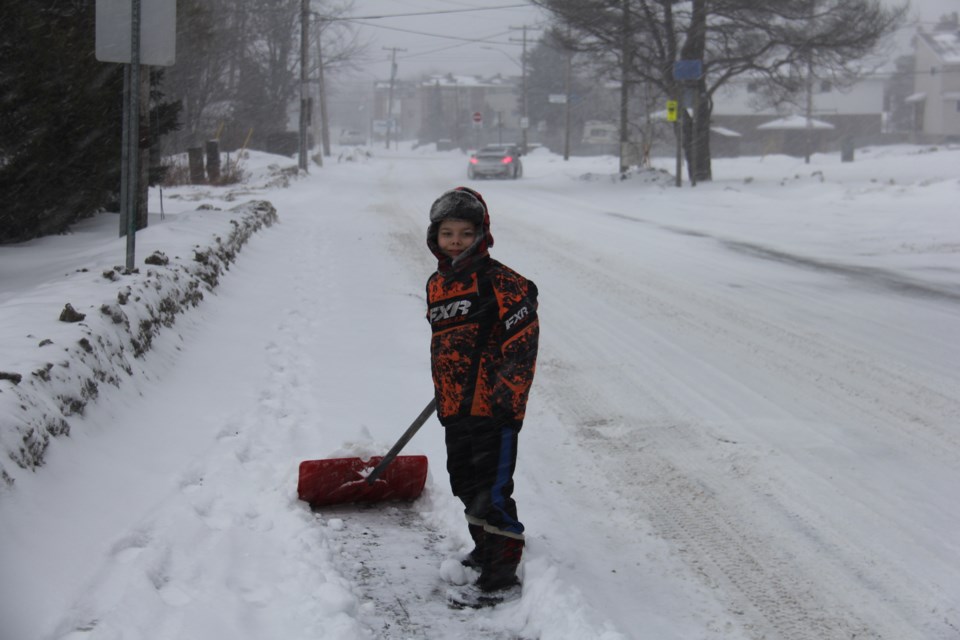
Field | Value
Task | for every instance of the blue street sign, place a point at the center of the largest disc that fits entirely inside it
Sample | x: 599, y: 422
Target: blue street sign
x: 687, y: 69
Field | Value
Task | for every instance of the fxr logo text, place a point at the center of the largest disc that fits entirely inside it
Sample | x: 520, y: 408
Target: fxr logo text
x: 445, y: 311
x: 517, y: 317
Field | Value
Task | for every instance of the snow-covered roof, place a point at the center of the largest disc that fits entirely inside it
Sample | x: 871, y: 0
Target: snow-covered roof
x: 727, y: 133
x: 946, y: 44
x: 795, y: 122
x: 451, y: 80
x: 721, y: 131
x: 916, y: 97
x: 951, y: 95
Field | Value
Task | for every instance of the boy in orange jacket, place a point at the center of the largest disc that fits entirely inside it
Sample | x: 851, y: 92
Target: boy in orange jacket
x: 483, y: 356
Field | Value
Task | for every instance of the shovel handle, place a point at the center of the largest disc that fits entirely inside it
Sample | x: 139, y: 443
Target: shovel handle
x: 402, y: 442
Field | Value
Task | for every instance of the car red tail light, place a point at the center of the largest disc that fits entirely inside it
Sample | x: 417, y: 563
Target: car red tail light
x: 473, y: 160
x: 507, y: 160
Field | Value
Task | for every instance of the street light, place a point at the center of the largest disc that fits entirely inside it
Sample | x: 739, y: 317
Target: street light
x: 502, y: 52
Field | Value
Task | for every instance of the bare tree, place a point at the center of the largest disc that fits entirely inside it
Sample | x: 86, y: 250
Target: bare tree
x: 778, y: 43
x: 199, y: 77
x: 338, y: 48
x: 238, y: 65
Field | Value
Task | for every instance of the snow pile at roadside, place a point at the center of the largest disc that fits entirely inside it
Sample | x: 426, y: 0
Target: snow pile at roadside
x: 52, y: 373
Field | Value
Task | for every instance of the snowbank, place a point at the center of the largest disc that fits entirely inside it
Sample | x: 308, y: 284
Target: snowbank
x: 53, y: 372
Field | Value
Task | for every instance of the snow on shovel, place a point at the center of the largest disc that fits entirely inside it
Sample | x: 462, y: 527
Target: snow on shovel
x: 344, y: 480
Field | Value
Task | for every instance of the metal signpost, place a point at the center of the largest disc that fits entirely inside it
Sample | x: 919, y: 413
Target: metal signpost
x: 134, y: 32
x: 687, y: 73
x: 477, y: 125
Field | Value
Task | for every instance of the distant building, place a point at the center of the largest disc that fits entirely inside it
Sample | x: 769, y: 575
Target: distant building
x: 854, y: 112
x: 444, y: 107
x: 936, y: 97
x: 797, y: 135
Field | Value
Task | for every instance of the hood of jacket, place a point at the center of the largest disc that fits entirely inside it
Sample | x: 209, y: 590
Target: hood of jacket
x: 461, y: 203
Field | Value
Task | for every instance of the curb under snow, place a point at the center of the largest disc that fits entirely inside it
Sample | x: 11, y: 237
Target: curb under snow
x: 61, y: 376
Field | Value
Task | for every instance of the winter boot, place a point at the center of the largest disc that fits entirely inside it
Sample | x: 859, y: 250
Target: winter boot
x: 475, y: 558
x: 503, y: 558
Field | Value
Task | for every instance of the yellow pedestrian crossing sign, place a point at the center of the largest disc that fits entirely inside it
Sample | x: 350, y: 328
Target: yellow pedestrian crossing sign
x: 671, y: 110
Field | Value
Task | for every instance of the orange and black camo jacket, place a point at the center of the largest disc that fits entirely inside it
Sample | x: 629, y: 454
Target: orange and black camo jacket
x: 483, y: 351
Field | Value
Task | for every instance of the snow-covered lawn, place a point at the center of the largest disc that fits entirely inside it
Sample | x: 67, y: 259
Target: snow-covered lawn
x: 745, y: 423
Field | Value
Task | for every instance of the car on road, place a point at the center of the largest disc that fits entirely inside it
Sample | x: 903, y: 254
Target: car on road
x: 496, y: 161
x: 349, y: 137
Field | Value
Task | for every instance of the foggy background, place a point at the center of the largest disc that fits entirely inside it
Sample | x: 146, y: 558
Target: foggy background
x: 440, y: 43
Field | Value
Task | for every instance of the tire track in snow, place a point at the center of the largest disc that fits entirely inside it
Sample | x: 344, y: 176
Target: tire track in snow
x: 788, y: 571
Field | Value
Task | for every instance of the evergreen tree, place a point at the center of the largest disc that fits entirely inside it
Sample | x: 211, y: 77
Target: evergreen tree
x: 60, y: 119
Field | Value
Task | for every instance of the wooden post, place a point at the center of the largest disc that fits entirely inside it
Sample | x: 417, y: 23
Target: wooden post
x: 195, y: 157
x: 213, y: 161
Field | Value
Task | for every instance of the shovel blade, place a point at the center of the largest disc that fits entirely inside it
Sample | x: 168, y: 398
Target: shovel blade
x: 343, y: 480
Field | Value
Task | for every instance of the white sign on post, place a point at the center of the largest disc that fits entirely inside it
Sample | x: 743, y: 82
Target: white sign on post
x: 158, y: 31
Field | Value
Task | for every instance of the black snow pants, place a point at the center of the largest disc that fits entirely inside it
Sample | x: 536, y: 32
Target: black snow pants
x: 481, y: 458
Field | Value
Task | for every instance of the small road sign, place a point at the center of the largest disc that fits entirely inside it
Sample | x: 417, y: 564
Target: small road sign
x: 671, y: 110
x: 158, y: 31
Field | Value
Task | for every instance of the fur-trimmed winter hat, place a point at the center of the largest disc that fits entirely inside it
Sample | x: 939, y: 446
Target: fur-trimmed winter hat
x: 461, y: 203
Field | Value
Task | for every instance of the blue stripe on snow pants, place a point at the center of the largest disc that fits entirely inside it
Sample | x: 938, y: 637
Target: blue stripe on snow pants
x: 481, y: 458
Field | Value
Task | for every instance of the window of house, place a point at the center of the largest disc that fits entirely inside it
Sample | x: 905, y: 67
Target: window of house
x: 826, y: 86
x: 752, y: 87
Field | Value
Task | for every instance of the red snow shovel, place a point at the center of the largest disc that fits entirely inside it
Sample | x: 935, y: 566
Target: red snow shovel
x: 345, y: 480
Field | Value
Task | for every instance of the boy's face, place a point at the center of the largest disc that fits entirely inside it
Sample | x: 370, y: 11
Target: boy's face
x: 455, y: 236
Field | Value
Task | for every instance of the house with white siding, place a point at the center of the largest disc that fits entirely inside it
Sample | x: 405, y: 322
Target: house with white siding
x: 936, y: 97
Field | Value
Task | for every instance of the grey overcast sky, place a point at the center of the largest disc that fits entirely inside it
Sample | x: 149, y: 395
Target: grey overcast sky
x: 481, y: 41
x: 466, y: 37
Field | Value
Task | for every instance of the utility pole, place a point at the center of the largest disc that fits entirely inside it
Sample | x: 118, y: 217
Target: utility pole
x: 808, y: 142
x: 393, y: 77
x: 566, y: 105
x: 304, y: 94
x: 625, y: 55
x: 524, y: 119
x: 809, y: 123
x: 322, y: 99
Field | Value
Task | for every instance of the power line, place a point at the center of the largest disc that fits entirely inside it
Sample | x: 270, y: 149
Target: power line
x: 461, y: 41
x: 447, y: 48
x: 482, y: 39
x: 429, y: 13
